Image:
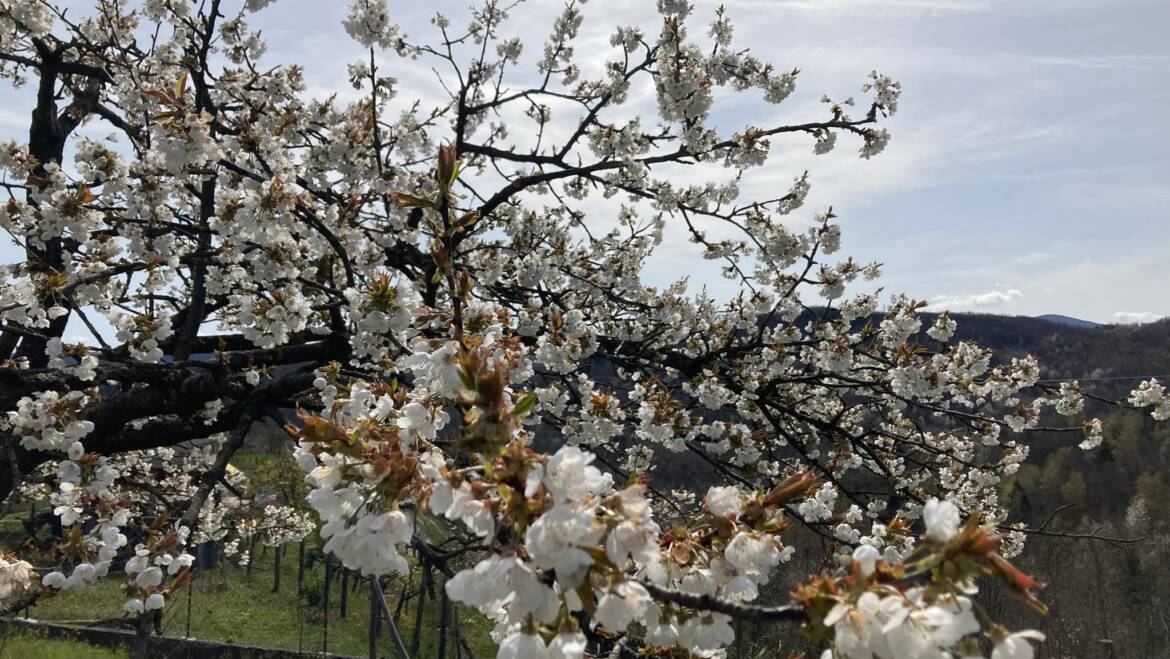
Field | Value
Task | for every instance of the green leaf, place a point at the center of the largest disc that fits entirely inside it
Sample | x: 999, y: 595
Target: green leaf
x: 525, y: 405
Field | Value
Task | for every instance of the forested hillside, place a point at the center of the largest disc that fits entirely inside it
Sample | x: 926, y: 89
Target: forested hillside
x: 1107, y: 511
x: 1099, y: 520
x: 1066, y: 352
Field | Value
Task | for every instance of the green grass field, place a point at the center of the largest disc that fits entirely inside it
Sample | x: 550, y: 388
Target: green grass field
x: 24, y: 645
x: 231, y: 606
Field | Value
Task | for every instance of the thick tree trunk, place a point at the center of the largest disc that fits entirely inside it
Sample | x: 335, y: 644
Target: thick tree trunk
x: 140, y: 646
x: 48, y: 132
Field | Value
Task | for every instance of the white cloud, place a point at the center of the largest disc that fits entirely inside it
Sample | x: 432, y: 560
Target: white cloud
x: 1127, y: 61
x: 969, y: 301
x: 866, y: 5
x: 1135, y: 317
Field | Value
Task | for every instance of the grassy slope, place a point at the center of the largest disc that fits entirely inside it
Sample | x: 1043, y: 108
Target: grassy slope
x: 231, y: 606
x: 228, y: 605
x: 25, y: 646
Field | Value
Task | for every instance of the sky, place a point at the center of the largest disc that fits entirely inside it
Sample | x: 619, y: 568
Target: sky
x: 1029, y: 166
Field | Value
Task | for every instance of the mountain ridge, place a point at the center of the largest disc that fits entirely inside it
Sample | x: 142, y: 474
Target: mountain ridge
x: 1068, y: 350
x: 1062, y: 319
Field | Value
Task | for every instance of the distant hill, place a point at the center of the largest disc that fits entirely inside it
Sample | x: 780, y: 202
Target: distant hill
x: 1066, y: 347
x: 1068, y: 350
x: 1067, y: 320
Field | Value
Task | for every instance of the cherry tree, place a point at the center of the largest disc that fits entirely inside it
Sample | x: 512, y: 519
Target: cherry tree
x: 444, y: 304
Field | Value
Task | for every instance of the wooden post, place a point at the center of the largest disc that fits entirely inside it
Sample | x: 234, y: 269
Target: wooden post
x: 444, y: 605
x: 420, y: 609
x: 325, y: 604
x: 190, y: 597
x: 300, y: 565
x: 375, y: 618
x: 276, y: 568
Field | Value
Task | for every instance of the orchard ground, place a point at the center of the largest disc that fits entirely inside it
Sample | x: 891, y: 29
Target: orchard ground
x: 234, y: 605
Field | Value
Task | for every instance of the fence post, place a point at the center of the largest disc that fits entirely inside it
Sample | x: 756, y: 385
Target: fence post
x: 190, y: 596
x: 420, y: 609
x: 276, y: 568
x: 300, y: 565
x: 445, y: 605
x: 375, y: 618
x: 325, y: 602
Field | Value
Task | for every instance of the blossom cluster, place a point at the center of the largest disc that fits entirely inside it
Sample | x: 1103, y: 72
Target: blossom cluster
x: 48, y: 421
x: 570, y: 530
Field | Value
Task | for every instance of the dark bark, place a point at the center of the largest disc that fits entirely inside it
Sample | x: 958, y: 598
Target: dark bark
x: 146, y: 624
x: 197, y: 309
x: 171, y: 394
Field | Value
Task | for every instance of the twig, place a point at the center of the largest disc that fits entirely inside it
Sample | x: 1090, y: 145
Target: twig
x: 733, y: 609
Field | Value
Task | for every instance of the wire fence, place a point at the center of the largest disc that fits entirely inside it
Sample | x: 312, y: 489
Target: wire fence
x: 333, y: 604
